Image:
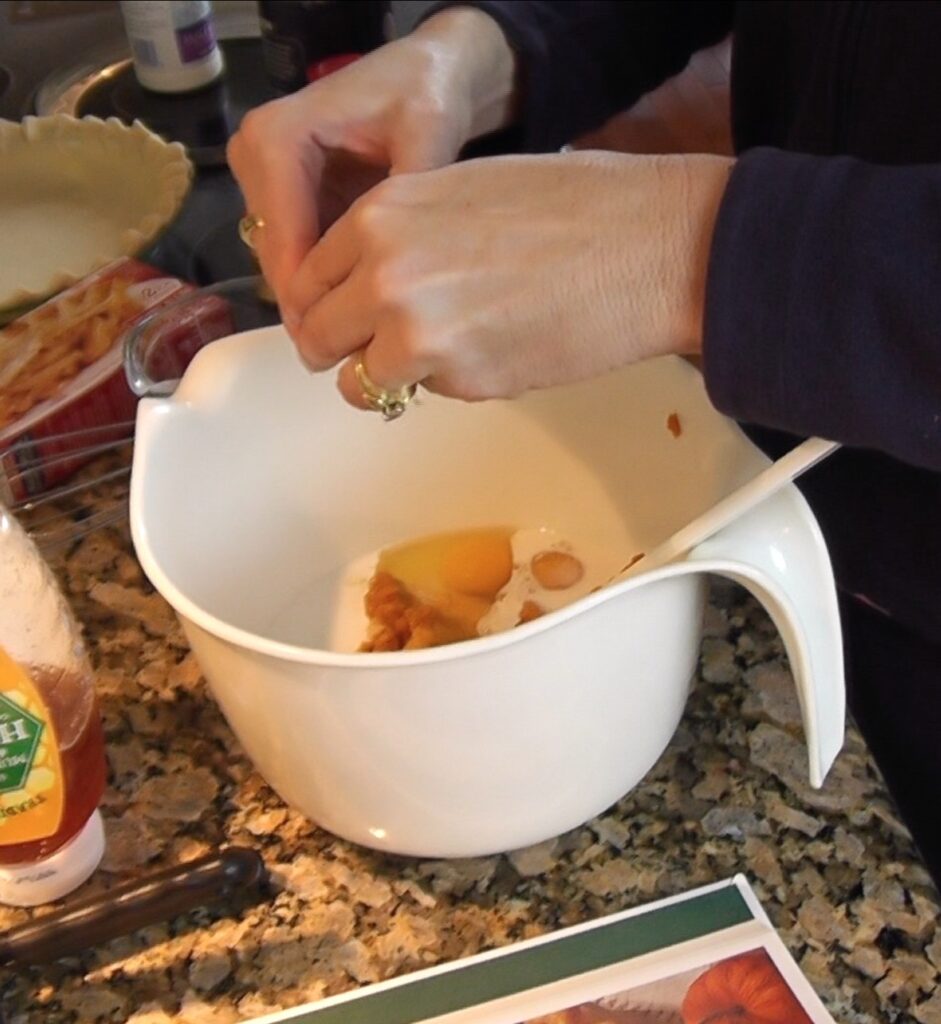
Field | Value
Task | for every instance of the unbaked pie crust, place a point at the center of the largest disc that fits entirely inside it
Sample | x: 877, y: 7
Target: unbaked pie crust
x: 75, y: 194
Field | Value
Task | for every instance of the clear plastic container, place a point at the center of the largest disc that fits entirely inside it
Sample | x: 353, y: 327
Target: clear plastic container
x: 52, y: 763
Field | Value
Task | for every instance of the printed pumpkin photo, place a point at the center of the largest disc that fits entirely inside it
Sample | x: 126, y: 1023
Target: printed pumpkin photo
x: 745, y: 989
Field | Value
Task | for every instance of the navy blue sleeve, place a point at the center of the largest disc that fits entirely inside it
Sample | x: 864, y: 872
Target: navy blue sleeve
x: 823, y: 301
x: 582, y: 61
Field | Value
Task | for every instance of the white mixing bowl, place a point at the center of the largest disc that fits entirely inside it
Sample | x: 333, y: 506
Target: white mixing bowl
x: 254, y: 486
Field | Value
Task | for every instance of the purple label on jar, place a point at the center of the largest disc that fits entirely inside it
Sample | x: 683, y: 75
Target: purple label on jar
x: 195, y: 41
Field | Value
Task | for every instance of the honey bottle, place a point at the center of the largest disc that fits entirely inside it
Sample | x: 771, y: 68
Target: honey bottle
x: 52, y: 763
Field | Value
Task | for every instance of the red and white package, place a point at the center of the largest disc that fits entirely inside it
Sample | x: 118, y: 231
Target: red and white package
x: 62, y: 382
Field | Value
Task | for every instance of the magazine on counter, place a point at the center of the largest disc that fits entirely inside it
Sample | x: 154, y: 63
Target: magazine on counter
x: 704, y: 956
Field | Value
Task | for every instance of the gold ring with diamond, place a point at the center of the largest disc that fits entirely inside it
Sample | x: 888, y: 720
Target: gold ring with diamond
x: 248, y: 225
x: 390, y: 404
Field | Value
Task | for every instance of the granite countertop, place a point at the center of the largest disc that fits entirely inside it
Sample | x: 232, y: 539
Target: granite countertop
x: 835, y: 869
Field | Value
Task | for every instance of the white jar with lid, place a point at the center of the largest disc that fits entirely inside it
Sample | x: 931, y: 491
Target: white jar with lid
x: 173, y: 44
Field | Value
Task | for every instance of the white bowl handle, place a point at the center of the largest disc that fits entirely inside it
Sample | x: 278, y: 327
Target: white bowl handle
x: 793, y: 580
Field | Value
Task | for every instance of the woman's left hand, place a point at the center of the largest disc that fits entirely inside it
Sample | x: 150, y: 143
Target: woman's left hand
x: 494, y: 276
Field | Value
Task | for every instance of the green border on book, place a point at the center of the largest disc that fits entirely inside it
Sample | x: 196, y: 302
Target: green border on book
x: 541, y: 964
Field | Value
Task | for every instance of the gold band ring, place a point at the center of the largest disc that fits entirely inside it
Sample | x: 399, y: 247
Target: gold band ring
x: 248, y: 225
x: 390, y: 404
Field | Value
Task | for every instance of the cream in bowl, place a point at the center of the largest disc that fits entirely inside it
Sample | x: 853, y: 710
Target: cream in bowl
x: 461, y: 585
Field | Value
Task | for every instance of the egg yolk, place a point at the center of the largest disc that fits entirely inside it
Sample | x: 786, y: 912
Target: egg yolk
x: 458, y: 574
x: 477, y: 563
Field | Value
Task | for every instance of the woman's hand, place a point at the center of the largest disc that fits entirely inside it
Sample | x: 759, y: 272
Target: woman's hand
x: 490, y: 277
x: 409, y: 106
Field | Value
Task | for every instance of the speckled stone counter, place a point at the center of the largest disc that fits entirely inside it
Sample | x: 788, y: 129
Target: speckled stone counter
x: 835, y: 869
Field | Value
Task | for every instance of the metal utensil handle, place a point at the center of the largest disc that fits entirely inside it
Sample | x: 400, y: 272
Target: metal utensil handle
x: 136, y: 904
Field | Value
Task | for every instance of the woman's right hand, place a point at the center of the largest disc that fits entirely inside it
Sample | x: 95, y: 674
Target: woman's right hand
x: 408, y: 106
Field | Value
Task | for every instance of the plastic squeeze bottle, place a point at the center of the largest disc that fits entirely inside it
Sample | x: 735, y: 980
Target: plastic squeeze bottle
x: 52, y: 764
x: 173, y: 44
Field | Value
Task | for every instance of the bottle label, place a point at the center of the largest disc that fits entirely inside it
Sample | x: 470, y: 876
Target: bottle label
x: 195, y: 41
x: 32, y: 793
